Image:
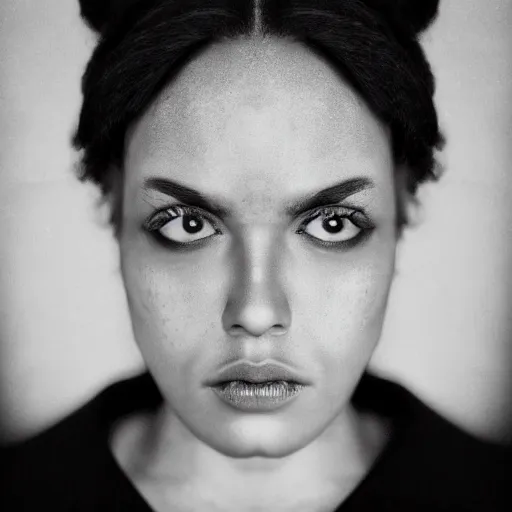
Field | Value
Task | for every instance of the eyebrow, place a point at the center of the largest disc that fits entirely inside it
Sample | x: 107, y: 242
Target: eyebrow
x: 331, y: 195
x: 186, y: 195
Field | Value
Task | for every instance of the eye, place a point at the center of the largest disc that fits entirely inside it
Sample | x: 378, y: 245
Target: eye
x: 334, y: 225
x: 182, y: 225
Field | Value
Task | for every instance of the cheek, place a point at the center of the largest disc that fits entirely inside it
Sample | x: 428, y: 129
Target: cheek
x: 171, y: 305
x: 346, y: 302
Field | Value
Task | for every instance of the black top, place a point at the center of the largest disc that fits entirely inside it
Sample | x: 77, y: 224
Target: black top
x: 428, y: 465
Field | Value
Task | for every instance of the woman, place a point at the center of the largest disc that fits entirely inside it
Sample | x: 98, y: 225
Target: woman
x: 258, y: 158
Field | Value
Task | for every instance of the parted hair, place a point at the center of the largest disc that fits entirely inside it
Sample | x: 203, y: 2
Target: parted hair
x: 143, y: 44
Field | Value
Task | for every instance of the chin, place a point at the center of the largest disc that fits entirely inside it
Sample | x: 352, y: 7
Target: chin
x: 252, y: 436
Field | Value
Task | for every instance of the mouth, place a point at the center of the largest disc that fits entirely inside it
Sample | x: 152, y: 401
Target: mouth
x: 259, y: 387
x: 257, y: 374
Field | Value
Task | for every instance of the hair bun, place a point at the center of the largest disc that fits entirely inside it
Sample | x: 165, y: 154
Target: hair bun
x: 99, y: 14
x: 415, y: 15
x: 96, y: 13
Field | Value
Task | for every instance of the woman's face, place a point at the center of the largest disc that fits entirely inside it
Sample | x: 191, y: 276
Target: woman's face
x: 258, y: 227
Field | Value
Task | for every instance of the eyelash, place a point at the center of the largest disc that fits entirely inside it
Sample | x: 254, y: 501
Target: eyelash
x: 163, y: 216
x: 355, y: 216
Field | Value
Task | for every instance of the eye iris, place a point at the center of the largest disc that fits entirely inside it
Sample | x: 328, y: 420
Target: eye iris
x: 192, y: 224
x: 333, y: 224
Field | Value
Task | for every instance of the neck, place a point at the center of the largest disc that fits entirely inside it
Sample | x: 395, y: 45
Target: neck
x: 160, y: 448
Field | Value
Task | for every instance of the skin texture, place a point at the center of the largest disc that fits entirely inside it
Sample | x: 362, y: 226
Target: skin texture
x: 256, y: 125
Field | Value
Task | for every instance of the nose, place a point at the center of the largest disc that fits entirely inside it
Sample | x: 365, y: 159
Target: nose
x: 257, y: 304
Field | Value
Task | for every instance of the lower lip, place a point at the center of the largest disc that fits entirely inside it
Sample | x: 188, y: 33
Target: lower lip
x: 258, y: 397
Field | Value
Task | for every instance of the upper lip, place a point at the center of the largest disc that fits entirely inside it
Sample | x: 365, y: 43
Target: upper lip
x: 256, y: 373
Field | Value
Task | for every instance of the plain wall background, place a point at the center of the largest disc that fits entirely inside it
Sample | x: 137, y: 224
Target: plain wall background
x: 64, y: 328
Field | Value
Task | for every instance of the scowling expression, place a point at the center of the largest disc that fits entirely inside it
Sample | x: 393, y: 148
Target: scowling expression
x: 258, y: 225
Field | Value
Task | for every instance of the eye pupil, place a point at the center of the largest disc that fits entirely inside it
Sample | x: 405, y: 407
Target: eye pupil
x: 333, y: 224
x: 192, y: 224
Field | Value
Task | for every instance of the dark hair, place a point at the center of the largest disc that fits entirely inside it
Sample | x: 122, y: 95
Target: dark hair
x: 144, y: 44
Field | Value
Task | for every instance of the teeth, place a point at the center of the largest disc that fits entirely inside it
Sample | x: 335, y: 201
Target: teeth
x: 264, y: 390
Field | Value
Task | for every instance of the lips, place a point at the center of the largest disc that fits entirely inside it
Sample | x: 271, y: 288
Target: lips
x: 258, y: 388
x: 257, y: 374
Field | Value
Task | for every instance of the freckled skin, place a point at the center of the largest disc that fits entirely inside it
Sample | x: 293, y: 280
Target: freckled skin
x: 257, y: 124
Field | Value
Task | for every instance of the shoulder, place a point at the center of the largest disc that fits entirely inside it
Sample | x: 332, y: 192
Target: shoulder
x: 443, y: 465
x: 435, y: 465
x: 47, y: 467
x: 64, y: 463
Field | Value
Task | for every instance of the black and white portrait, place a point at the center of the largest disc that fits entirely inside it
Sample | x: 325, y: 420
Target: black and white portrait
x: 256, y: 255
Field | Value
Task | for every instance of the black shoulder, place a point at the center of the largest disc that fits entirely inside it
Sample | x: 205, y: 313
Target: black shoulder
x: 63, y: 464
x: 45, y: 469
x: 445, y: 467
x: 431, y: 463
x: 469, y: 473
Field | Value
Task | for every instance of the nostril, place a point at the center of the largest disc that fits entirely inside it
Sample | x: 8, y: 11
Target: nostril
x: 275, y: 330
x: 278, y: 330
x: 237, y: 330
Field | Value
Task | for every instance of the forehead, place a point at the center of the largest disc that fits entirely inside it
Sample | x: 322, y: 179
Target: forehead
x: 264, y: 111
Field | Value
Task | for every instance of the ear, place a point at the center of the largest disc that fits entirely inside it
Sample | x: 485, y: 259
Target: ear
x: 416, y: 15
x: 98, y: 14
x: 114, y: 198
